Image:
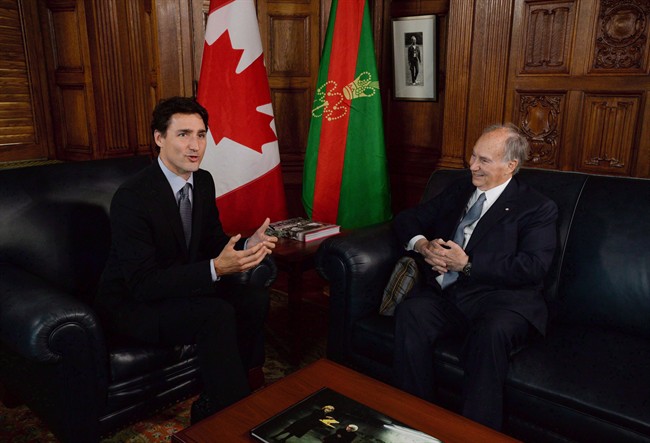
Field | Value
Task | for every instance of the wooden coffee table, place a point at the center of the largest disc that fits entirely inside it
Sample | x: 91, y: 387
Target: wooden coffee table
x: 234, y: 423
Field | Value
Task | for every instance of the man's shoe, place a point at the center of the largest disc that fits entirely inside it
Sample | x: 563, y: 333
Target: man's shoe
x: 202, y: 408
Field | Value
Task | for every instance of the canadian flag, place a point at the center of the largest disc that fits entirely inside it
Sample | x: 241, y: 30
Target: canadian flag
x: 242, y: 153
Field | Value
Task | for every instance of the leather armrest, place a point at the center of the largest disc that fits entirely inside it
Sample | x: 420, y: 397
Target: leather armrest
x: 357, y: 265
x: 43, y: 323
x: 263, y: 275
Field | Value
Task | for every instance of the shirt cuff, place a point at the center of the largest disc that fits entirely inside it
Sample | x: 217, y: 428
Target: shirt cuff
x: 411, y: 244
x: 213, y: 271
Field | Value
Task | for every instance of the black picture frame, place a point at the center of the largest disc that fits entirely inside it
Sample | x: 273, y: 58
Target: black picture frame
x: 415, y: 58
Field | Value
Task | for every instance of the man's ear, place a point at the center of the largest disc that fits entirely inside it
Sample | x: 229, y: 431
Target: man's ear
x: 157, y: 135
x: 512, y: 165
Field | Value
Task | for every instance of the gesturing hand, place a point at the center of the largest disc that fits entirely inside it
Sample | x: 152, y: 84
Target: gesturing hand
x: 231, y: 261
x: 260, y: 237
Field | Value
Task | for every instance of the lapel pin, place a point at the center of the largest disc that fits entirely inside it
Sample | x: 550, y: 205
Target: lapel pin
x: 507, y: 209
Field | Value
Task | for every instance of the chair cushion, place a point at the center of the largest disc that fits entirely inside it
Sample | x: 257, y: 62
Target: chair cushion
x: 132, y: 361
x: 587, y: 372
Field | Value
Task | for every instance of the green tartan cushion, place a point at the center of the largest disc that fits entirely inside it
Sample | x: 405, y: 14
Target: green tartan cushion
x: 404, y: 276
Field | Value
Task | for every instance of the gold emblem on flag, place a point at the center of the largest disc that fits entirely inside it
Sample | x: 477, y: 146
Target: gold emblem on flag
x: 333, y: 104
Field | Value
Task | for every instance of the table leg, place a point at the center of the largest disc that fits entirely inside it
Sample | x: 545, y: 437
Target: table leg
x: 294, y: 305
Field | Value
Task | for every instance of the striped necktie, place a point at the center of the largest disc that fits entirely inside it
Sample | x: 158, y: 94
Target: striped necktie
x: 185, y: 209
x: 472, y: 215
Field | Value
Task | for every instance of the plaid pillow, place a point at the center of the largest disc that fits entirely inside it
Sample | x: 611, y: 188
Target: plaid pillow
x: 404, y: 276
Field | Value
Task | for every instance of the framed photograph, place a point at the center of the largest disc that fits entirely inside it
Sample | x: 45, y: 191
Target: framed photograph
x: 414, y: 58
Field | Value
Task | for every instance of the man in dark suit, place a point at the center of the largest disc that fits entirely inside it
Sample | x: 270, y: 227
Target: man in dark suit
x: 163, y: 281
x: 485, y: 286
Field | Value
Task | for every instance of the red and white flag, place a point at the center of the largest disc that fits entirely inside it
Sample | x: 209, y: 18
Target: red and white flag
x: 242, y: 153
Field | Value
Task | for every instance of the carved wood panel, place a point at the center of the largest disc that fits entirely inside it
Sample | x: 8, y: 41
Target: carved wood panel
x: 608, y: 132
x: 540, y: 117
x: 549, y: 32
x: 583, y: 106
x: 621, y: 43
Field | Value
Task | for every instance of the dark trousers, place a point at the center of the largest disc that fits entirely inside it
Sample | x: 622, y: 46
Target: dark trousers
x: 425, y: 315
x: 227, y: 329
x: 414, y: 67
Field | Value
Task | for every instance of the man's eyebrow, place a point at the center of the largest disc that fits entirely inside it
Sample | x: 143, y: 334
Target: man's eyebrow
x: 190, y: 130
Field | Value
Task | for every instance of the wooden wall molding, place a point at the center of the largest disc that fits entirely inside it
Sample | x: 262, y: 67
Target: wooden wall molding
x: 461, y: 19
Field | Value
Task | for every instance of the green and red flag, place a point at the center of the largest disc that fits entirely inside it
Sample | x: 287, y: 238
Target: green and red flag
x: 345, y: 179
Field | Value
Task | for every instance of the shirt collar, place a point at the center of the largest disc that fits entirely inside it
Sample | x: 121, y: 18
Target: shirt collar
x: 175, y: 181
x: 491, y: 195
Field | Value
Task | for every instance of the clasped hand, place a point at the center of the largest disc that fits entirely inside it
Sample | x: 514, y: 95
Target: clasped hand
x: 443, y: 256
x: 259, y: 245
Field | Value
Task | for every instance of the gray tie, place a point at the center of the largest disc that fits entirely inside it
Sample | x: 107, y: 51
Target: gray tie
x: 472, y: 215
x: 185, y: 209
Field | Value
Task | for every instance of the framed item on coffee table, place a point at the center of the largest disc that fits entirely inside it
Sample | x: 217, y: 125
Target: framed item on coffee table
x: 414, y: 58
x: 329, y: 416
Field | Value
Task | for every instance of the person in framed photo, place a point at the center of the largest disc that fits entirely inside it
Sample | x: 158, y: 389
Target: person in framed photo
x: 414, y: 55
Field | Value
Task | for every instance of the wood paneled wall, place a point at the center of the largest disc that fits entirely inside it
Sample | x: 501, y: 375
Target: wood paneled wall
x: 24, y: 121
x: 102, y: 75
x: 414, y: 129
x: 83, y: 76
x: 572, y: 74
x: 578, y: 84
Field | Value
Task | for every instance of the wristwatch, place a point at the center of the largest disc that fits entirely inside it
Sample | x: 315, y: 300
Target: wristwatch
x: 467, y: 269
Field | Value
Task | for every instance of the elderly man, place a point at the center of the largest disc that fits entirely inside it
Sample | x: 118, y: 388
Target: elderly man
x: 487, y: 245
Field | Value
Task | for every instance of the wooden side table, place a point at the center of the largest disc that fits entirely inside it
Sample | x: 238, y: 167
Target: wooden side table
x: 295, y: 258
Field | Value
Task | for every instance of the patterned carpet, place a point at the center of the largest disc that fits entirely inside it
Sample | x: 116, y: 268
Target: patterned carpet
x: 19, y: 425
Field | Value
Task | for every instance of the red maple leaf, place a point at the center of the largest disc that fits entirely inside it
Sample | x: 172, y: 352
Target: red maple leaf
x: 232, y: 99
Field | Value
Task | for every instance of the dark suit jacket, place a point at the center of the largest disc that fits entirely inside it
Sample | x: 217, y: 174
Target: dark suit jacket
x: 149, y: 260
x: 511, y: 248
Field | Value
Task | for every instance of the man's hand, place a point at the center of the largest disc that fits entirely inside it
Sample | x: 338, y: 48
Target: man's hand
x: 260, y: 237
x: 445, y: 256
x: 231, y: 261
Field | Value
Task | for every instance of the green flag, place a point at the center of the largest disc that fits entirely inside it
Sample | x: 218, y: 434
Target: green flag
x: 345, y: 178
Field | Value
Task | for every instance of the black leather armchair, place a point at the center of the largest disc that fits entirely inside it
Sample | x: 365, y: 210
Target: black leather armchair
x: 54, y: 355
x: 589, y: 378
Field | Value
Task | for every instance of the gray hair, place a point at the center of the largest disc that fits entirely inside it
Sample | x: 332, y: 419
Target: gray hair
x: 516, y: 145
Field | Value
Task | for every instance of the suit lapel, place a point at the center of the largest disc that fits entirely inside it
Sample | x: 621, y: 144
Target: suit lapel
x: 166, y: 199
x: 198, y: 202
x: 457, y: 212
x: 505, y: 205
